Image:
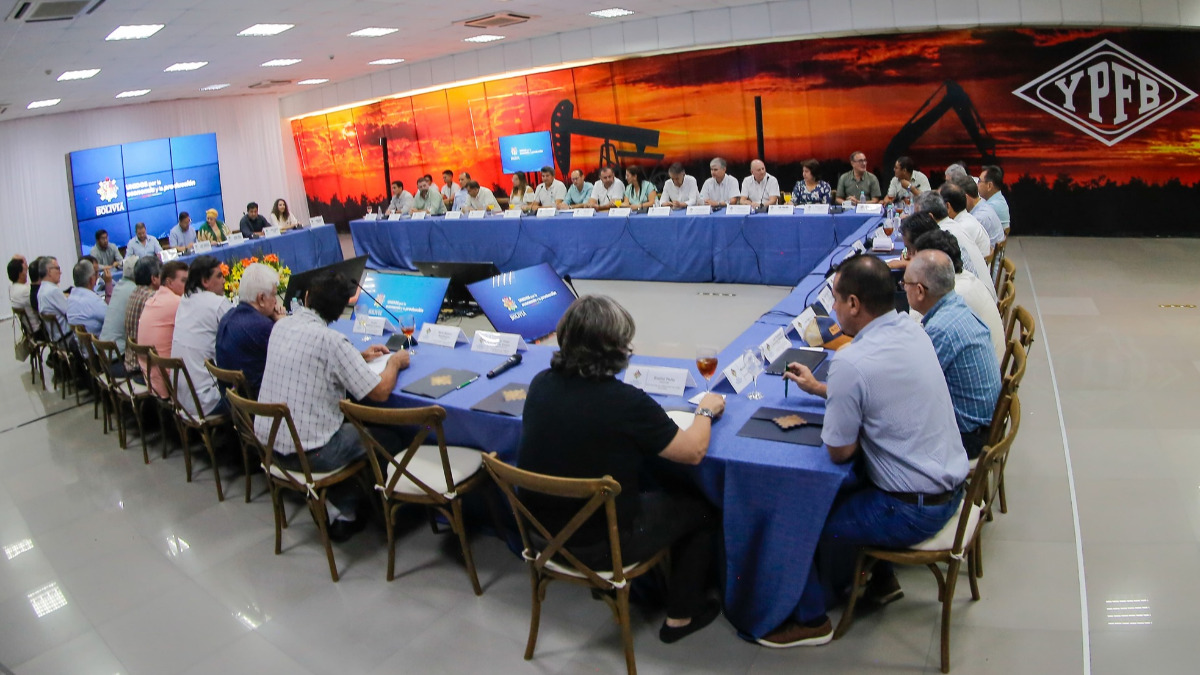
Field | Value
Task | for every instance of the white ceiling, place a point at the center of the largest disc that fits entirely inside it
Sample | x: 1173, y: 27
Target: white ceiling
x: 33, y: 55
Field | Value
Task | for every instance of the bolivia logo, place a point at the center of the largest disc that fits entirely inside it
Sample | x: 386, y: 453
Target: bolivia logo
x: 508, y: 303
x: 108, y: 189
x: 1107, y: 93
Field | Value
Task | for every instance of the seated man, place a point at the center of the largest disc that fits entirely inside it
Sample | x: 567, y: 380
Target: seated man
x: 142, y: 244
x: 578, y: 194
x: 244, y: 331
x: 550, y: 191
x: 183, y: 235
x: 107, y: 255
x: 608, y: 190
x: 979, y: 208
x: 721, y: 189
x: 118, y: 306
x: 479, y: 198
x: 991, y: 186
x: 253, y: 223
x: 401, y: 200
x: 310, y: 367
x: 460, y: 197
x: 680, y: 191
x: 195, y: 336
x: 427, y: 200
x: 51, y: 299
x: 962, y: 342
x: 156, y: 325
x: 146, y: 273
x: 956, y: 208
x: 759, y: 189
x: 888, y: 402
x: 19, y: 291
x: 931, y: 202
x: 84, y: 306
x: 857, y: 184
x: 907, y: 183
x: 450, y: 189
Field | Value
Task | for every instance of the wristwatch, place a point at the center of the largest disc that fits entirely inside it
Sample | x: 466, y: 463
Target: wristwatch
x: 707, y: 413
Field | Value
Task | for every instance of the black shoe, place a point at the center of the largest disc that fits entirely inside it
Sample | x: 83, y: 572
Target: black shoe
x: 706, y: 616
x: 341, y: 530
x: 882, y: 589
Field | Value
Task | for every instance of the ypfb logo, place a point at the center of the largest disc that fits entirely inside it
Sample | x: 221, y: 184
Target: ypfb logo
x: 508, y: 303
x: 1107, y: 93
x: 107, y: 189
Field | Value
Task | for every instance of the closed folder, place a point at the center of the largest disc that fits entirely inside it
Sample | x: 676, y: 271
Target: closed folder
x: 761, y: 425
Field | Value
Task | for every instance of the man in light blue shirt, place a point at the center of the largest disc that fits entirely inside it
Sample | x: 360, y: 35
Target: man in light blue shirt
x: 978, y: 208
x: 183, y: 234
x: 579, y: 192
x: 114, y: 317
x: 460, y: 197
x: 142, y: 244
x: 51, y: 299
x: 991, y: 184
x: 85, y: 307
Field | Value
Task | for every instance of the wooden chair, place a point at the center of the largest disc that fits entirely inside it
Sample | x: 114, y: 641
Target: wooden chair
x: 996, y: 258
x: 234, y: 380
x: 1010, y: 384
x: 142, y: 354
x: 60, y: 347
x: 1006, y: 421
x: 1008, y: 293
x: 553, y: 560
x: 123, y: 389
x: 436, y: 476
x: 314, y: 485
x: 957, y: 542
x: 36, y: 344
x: 1007, y: 272
x: 96, y: 375
x: 1020, y: 317
x: 179, y: 384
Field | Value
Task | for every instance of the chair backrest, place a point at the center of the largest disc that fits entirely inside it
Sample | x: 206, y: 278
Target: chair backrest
x: 1008, y: 293
x: 1019, y: 316
x: 1011, y: 373
x: 231, y: 379
x: 54, y: 330
x: 179, y: 384
x: 245, y: 411
x: 997, y: 258
x: 427, y: 419
x: 141, y: 354
x: 593, y: 493
x: 28, y: 334
x: 1008, y: 272
x: 984, y: 483
x: 92, y: 362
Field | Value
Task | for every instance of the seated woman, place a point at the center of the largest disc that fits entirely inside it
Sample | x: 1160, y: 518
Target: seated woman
x: 281, y: 217
x: 523, y: 197
x: 809, y: 190
x: 212, y: 230
x: 639, y: 192
x: 582, y: 422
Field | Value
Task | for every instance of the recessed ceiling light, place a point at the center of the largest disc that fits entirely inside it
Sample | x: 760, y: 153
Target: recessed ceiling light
x: 484, y: 38
x: 214, y: 87
x: 78, y: 74
x: 43, y: 104
x: 373, y: 32
x: 186, y: 65
x: 385, y: 62
x: 134, y: 32
x: 319, y: 80
x: 280, y: 62
x: 132, y: 93
x: 611, y: 13
x: 266, y: 29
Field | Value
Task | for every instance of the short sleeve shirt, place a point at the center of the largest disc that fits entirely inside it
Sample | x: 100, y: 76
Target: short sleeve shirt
x: 686, y: 193
x: 719, y: 192
x: 849, y: 186
x: 575, y: 196
x: 897, y: 191
x: 550, y: 196
x: 760, y: 193
x: 242, y: 339
x: 178, y: 237
x: 139, y: 249
x: 605, y: 196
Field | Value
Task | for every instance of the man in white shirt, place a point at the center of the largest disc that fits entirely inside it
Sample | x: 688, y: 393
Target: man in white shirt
x: 607, y: 190
x: 907, y: 183
x: 932, y: 203
x: 550, y: 191
x: 721, y: 189
x: 759, y: 189
x: 142, y: 244
x: 18, y: 290
x: 479, y: 198
x: 460, y: 197
x: 450, y: 189
x: 979, y: 208
x: 956, y: 207
x: 195, y: 338
x: 680, y: 191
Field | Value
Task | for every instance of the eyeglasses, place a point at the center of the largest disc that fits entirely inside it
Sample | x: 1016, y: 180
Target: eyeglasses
x: 861, y: 161
x: 906, y: 282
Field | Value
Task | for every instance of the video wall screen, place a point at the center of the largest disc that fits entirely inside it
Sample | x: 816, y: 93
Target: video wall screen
x: 116, y: 187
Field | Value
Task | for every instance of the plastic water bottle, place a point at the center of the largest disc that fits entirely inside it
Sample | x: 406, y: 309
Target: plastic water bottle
x: 862, y: 197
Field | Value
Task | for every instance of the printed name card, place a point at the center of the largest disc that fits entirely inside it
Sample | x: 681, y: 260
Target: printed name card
x: 816, y: 209
x: 775, y: 346
x: 781, y: 210
x: 418, y: 215
x: 502, y: 344
x: 739, y: 209
x: 825, y: 297
x: 738, y: 373
x: 882, y: 244
x: 271, y: 232
x: 316, y: 221
x: 375, y: 216
x: 858, y: 247
x: 513, y: 213
x: 202, y: 247
x: 391, y: 217
x: 584, y: 213
x: 369, y: 325
x: 442, y: 336
x: 453, y: 215
x: 659, y: 211
x: 168, y: 254
x: 620, y: 212
x: 701, y: 210
x: 236, y: 238
x: 547, y: 212
x: 478, y: 214
x: 800, y: 323
x: 659, y: 379
x: 875, y: 209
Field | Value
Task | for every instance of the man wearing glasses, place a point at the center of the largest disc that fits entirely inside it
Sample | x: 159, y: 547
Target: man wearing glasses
x: 858, y: 184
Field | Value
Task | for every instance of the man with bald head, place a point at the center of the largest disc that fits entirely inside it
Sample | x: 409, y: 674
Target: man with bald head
x: 962, y: 342
x: 759, y: 189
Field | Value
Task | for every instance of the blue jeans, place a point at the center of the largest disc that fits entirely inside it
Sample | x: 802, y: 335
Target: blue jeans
x: 866, y: 517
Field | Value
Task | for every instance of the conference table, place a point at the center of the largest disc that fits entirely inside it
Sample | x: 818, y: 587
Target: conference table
x: 774, y: 496
x: 301, y: 250
x: 752, y: 249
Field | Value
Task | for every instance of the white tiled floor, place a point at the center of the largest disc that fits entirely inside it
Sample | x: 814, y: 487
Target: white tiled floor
x: 159, y: 578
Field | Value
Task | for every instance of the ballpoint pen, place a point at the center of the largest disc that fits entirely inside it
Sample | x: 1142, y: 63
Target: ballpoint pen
x: 466, y: 383
x: 785, y: 384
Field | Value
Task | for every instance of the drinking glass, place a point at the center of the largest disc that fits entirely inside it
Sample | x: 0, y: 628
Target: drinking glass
x: 706, y: 363
x: 408, y: 326
x: 753, y: 360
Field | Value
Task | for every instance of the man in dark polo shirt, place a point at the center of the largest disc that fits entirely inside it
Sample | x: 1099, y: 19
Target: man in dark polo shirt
x: 245, y: 331
x: 252, y: 224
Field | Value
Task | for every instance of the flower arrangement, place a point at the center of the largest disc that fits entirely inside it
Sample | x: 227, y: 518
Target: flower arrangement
x: 233, y: 276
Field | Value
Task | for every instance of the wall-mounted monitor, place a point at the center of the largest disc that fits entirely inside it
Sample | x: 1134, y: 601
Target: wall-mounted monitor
x: 526, y: 152
x: 115, y: 187
x: 528, y: 302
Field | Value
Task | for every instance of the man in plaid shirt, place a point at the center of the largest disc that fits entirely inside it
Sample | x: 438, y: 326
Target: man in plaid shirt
x: 146, y: 274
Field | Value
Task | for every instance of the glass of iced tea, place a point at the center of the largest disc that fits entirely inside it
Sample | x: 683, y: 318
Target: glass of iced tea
x: 706, y: 363
x: 408, y: 326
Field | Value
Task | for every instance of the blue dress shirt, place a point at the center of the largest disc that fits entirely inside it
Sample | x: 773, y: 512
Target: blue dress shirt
x: 964, y: 350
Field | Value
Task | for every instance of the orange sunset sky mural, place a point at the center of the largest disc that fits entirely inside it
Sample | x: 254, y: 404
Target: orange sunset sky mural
x: 820, y: 98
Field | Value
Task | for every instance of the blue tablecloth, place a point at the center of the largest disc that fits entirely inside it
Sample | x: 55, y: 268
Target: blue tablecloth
x: 301, y: 250
x: 774, y: 496
x: 756, y: 249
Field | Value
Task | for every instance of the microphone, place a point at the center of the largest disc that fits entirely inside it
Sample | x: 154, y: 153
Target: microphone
x: 380, y: 304
x: 512, y: 362
x: 567, y: 278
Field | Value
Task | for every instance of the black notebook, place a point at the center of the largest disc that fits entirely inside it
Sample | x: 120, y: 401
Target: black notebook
x: 761, y: 425
x: 441, y: 382
x: 804, y: 356
x: 509, y: 400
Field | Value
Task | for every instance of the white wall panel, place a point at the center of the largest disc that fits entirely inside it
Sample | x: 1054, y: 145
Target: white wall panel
x: 790, y: 18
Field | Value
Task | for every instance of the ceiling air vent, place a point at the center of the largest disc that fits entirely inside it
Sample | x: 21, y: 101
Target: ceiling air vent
x: 497, y: 20
x: 267, y: 84
x: 49, y: 10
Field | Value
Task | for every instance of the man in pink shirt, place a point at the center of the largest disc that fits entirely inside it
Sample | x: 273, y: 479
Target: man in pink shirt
x: 156, y: 327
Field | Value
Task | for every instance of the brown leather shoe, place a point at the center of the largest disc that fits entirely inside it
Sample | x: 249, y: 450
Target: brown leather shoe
x: 792, y: 634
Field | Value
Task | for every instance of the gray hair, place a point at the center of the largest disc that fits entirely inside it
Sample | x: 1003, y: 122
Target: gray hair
x: 933, y: 270
x: 44, y: 264
x: 82, y: 273
x: 256, y: 280
x: 956, y: 171
x: 719, y: 161
x: 129, y: 261
x: 595, y: 337
x: 932, y: 203
x: 967, y: 185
